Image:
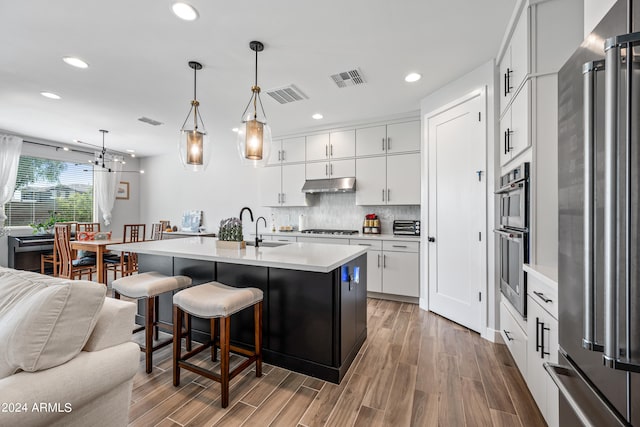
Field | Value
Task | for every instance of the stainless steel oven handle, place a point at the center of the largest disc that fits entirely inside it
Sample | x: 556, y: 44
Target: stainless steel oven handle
x: 509, y: 234
x: 612, y: 60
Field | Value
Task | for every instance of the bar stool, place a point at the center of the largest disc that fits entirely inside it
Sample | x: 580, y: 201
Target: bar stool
x: 214, y: 300
x: 149, y: 286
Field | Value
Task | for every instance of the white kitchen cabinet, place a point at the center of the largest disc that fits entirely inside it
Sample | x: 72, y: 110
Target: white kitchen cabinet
x: 280, y: 238
x: 542, y: 331
x: 391, y: 138
x: 323, y: 240
x: 514, y: 126
x: 400, y: 269
x: 514, y: 64
x: 282, y: 186
x: 332, y: 169
x: 317, y: 147
x: 276, y: 152
x: 342, y: 144
x: 374, y: 262
x: 403, y: 179
x: 288, y: 150
x: 514, y: 336
x: 388, y: 180
x: 371, y: 180
x: 270, y: 185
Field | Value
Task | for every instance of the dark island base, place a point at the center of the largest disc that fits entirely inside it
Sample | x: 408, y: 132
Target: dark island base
x: 313, y: 323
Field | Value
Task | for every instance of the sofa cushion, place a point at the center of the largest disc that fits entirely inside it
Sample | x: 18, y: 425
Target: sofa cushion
x: 45, y: 321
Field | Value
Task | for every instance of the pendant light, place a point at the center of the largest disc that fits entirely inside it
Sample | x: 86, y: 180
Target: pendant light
x: 193, y: 145
x: 254, y: 134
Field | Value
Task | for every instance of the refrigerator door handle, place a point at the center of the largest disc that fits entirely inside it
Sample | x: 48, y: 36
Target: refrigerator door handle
x: 583, y: 399
x: 589, y: 71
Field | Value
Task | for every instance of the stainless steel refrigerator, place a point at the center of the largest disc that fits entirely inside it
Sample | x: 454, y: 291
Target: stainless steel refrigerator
x: 599, y: 225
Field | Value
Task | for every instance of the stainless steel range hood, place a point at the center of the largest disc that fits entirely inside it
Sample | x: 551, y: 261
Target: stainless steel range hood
x: 333, y: 185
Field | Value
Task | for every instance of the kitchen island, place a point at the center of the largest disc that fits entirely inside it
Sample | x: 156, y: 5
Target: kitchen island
x: 315, y: 297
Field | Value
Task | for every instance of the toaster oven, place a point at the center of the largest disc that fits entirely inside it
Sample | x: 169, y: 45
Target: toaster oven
x: 406, y: 227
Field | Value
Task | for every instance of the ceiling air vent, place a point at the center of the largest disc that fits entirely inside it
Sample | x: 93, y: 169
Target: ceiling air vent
x: 348, y: 78
x: 287, y: 94
x: 150, y: 121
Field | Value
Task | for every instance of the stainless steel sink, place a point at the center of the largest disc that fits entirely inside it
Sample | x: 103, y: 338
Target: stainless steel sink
x: 267, y: 243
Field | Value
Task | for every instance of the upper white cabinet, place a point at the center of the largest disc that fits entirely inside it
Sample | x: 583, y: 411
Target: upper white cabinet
x: 288, y: 150
x: 514, y: 65
x: 391, y: 138
x: 318, y: 147
x: 388, y: 180
x: 282, y: 186
x: 334, y: 145
x: 514, y: 126
x: 332, y: 169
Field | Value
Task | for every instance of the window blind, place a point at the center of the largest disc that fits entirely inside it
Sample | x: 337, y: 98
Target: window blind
x: 47, y: 188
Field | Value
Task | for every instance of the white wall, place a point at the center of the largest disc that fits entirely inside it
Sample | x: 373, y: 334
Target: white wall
x: 166, y: 189
x: 482, y: 77
x: 126, y: 211
x: 594, y: 11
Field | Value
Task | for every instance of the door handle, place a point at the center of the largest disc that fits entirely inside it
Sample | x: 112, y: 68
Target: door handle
x: 388, y: 195
x: 384, y: 261
x: 279, y: 155
x: 382, y: 144
x: 431, y: 239
x: 508, y: 85
x: 388, y: 143
x: 506, y: 334
x: 331, y: 169
x: 505, y: 142
x: 589, y: 71
x: 326, y: 170
x: 378, y: 260
x: 542, y: 297
x: 331, y: 150
x: 508, y: 140
x: 326, y: 150
x: 283, y: 155
x: 283, y: 197
x: 383, y: 194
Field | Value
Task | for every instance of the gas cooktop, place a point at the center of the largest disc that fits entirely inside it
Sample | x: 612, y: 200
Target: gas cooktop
x: 328, y: 231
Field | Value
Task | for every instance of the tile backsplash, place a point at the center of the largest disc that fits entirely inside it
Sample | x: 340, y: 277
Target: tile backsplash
x: 339, y: 211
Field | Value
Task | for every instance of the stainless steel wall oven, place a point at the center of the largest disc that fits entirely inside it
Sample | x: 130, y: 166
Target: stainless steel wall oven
x: 514, y: 235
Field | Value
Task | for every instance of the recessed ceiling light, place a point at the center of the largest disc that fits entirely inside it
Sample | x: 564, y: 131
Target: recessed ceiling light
x: 50, y: 95
x: 65, y: 148
x: 412, y: 77
x: 124, y: 163
x: 235, y: 130
x: 133, y: 155
x: 185, y: 11
x: 142, y: 171
x: 75, y: 62
x: 317, y: 116
x: 131, y: 151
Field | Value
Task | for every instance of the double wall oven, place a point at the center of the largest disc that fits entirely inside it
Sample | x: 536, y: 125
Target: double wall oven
x: 514, y: 235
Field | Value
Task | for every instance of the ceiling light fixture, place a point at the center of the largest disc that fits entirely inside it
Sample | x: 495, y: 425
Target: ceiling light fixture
x: 317, y: 116
x: 412, y: 77
x: 235, y: 130
x: 193, y: 146
x: 254, y: 134
x: 185, y: 11
x: 75, y: 62
x: 50, y: 95
x: 130, y: 151
x: 65, y: 148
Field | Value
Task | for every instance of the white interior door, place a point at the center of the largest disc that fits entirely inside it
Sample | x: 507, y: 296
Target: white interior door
x: 457, y: 211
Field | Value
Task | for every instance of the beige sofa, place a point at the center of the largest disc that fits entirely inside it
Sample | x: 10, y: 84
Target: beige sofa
x: 66, y: 356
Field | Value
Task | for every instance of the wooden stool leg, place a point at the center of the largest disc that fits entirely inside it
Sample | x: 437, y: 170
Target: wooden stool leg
x: 257, y: 322
x: 214, y: 352
x: 187, y: 323
x: 224, y: 360
x: 116, y: 294
x: 148, y: 334
x: 156, y: 318
x: 177, y: 343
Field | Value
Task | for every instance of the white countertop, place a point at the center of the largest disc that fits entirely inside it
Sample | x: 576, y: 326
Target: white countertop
x: 321, y: 258
x: 358, y: 236
x: 546, y: 274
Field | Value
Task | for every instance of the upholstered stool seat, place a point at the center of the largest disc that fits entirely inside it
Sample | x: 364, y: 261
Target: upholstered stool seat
x: 217, y: 301
x: 149, y: 286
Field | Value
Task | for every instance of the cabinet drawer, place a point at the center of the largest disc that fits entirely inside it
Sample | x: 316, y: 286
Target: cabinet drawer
x: 514, y: 337
x: 325, y: 240
x: 371, y: 244
x: 545, y: 295
x: 284, y: 238
x: 390, y: 245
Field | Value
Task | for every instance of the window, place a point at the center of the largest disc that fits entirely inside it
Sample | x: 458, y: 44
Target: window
x: 45, y: 187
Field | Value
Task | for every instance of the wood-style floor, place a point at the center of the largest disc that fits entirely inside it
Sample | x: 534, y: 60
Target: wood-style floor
x: 415, y: 369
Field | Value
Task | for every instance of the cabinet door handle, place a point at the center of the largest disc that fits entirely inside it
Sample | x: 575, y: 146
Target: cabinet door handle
x: 399, y: 246
x: 388, y: 143
x: 378, y: 260
x: 383, y: 194
x: 542, y: 297
x: 538, y: 323
x: 384, y: 261
x: 278, y: 197
x: 505, y: 142
x: 388, y: 195
x: 326, y: 150
x: 326, y: 170
x: 507, y: 86
x: 431, y: 239
x: 283, y: 194
x: 365, y: 244
x: 283, y: 155
x: 382, y: 144
x: 508, y: 139
x: 331, y: 150
x: 506, y: 334
x: 331, y: 169
x: 279, y: 155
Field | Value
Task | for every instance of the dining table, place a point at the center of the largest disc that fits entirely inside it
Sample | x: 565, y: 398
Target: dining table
x: 99, y: 248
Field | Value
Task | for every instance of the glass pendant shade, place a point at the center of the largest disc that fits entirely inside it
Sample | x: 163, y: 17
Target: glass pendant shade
x: 193, y: 144
x: 254, y: 134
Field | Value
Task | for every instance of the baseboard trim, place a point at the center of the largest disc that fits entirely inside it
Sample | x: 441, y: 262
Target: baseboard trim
x: 492, y: 335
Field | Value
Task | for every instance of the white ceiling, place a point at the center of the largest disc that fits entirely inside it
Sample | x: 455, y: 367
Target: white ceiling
x: 138, y: 53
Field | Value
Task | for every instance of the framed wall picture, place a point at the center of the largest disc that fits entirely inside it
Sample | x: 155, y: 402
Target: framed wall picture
x: 122, y: 191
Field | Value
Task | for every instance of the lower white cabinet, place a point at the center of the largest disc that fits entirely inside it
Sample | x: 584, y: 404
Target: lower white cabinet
x: 326, y: 240
x: 392, y: 267
x: 514, y: 336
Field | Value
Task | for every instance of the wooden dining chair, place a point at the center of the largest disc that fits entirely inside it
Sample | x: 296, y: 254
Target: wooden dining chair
x: 52, y: 258
x: 156, y: 231
x: 68, y: 267
x: 127, y: 263
x: 88, y: 226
